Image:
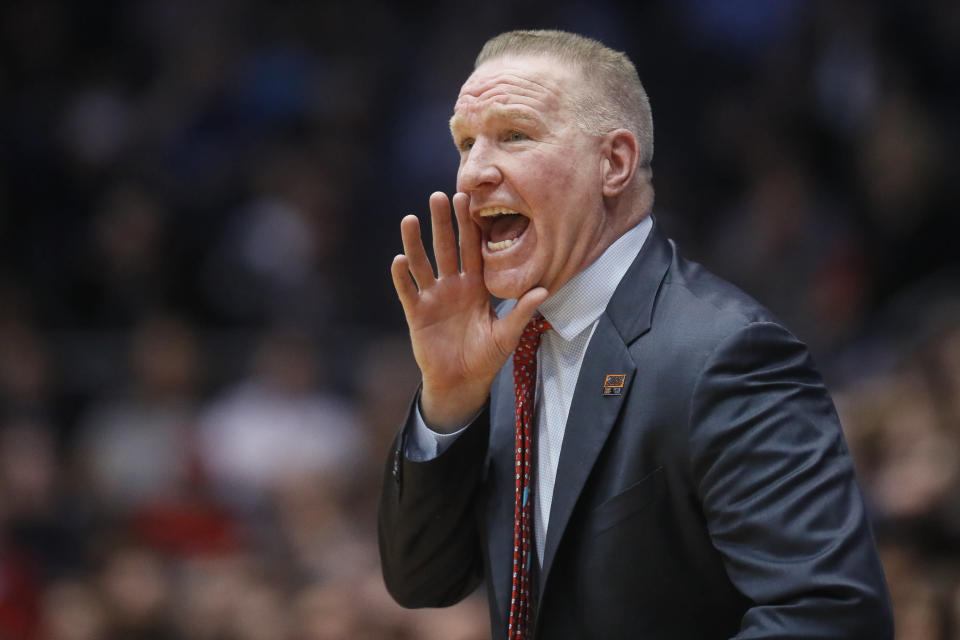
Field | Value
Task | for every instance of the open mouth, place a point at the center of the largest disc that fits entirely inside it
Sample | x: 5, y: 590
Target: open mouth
x: 503, y: 227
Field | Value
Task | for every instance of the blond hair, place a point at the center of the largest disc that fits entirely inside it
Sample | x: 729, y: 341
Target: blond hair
x: 618, y: 100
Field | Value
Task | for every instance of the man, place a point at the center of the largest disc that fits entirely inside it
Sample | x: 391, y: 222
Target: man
x: 687, y: 475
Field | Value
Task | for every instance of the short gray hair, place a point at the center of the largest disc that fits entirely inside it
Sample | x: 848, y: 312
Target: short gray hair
x: 620, y: 100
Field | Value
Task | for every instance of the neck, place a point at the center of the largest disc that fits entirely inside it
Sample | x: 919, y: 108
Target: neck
x: 633, y: 205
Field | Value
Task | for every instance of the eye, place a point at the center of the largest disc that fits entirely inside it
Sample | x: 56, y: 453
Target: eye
x: 466, y: 144
x: 516, y: 136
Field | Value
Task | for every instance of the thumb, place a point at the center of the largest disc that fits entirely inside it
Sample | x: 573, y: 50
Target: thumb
x: 508, y: 329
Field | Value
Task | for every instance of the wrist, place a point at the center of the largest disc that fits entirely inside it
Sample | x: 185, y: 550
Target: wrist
x: 449, y: 410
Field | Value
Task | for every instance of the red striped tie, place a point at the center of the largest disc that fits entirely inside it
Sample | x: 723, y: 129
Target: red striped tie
x: 524, y: 384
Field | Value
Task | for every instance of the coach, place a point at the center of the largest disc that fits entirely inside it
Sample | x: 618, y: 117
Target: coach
x: 629, y: 447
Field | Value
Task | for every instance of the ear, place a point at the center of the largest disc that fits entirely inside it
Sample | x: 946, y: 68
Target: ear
x: 621, y: 152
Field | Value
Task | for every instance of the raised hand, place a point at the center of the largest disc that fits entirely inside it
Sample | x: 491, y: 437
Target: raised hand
x: 458, y: 341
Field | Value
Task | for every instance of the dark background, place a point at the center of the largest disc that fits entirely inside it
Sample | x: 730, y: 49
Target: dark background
x: 202, y: 359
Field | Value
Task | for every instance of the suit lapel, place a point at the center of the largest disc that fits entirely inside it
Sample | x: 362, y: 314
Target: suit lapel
x: 593, y: 414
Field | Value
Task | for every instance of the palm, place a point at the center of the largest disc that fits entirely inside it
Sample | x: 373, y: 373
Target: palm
x: 451, y: 328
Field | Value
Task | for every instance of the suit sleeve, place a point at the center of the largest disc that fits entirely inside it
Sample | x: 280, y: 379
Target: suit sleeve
x: 779, y: 494
x: 428, y: 535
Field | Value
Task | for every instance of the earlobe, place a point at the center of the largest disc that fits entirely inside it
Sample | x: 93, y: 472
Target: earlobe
x: 622, y: 152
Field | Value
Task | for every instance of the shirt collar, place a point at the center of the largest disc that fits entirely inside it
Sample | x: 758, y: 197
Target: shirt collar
x: 579, y: 302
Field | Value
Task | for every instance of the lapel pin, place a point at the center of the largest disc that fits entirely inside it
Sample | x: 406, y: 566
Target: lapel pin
x: 613, y: 384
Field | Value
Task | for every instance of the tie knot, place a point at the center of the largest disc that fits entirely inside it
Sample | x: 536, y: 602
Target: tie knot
x: 537, y: 325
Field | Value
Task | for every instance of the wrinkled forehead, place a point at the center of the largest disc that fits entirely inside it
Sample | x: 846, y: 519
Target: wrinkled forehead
x: 540, y: 83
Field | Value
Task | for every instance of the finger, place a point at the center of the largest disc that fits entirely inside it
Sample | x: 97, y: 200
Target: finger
x: 508, y: 329
x: 470, y: 257
x: 417, y: 260
x: 444, y: 242
x: 406, y: 290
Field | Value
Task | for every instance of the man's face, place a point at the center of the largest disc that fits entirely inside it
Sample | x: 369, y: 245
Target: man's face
x: 532, y: 174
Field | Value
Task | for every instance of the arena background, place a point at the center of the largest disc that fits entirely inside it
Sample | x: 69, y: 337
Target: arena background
x: 202, y: 360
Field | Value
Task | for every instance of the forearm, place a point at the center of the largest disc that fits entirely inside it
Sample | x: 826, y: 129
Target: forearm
x: 429, y: 543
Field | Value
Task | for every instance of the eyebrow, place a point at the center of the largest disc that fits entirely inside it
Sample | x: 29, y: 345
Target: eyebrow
x: 501, y: 112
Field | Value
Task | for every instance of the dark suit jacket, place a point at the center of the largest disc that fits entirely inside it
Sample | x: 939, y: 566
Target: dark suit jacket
x: 714, y: 498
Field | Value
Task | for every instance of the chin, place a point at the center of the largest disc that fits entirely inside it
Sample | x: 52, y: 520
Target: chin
x: 505, y: 285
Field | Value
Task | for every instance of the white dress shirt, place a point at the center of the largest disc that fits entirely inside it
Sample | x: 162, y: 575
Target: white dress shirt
x: 573, y: 312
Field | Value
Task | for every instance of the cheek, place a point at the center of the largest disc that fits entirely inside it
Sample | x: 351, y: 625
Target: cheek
x: 551, y: 184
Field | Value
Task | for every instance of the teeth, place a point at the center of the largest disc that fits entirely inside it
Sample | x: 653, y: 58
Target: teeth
x: 500, y: 246
x: 495, y: 211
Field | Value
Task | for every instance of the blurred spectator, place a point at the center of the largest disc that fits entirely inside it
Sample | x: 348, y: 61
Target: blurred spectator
x: 72, y: 610
x: 786, y: 246
x: 136, y: 590
x: 206, y: 594
x: 25, y: 369
x: 269, y: 264
x: 325, y: 539
x: 28, y: 470
x: 122, y: 277
x: 36, y: 519
x: 96, y: 126
x: 138, y: 447
x: 277, y: 426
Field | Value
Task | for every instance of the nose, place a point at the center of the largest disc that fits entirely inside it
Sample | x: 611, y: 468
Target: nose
x: 478, y: 168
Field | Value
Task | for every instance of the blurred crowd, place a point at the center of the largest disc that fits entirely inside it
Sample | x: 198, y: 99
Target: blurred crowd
x: 202, y: 362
